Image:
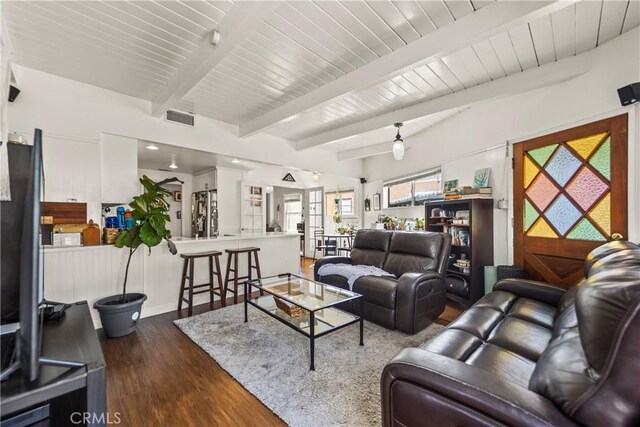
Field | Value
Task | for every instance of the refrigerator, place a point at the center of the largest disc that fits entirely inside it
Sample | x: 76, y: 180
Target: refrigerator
x: 204, y: 214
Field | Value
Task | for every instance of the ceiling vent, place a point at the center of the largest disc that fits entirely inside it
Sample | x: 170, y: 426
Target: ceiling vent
x: 180, y: 117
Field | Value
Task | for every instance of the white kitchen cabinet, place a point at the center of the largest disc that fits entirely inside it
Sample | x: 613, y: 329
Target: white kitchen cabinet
x: 119, y: 156
x: 71, y: 170
x: 204, y: 181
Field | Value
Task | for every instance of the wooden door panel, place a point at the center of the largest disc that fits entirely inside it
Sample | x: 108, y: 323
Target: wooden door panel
x: 570, y: 196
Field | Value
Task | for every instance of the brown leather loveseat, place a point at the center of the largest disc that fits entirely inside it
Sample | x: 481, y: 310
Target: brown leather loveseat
x: 531, y: 354
x: 415, y: 295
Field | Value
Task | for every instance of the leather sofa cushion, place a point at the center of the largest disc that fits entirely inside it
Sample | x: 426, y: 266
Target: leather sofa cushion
x: 562, y: 373
x: 380, y: 291
x: 370, y: 247
x: 398, y: 264
x: 477, y: 321
x: 421, y: 244
x: 503, y: 364
x: 453, y: 343
x: 501, y: 333
x: 368, y: 257
x: 521, y: 337
x: 602, y: 252
x: 533, y: 311
x: 377, y: 240
x: 412, y: 252
x: 601, y: 303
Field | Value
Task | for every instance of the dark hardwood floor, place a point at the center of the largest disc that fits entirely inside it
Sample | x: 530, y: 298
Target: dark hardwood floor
x: 159, y: 377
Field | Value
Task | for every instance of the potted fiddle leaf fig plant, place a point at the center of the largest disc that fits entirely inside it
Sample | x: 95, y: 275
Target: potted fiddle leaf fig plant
x: 119, y: 314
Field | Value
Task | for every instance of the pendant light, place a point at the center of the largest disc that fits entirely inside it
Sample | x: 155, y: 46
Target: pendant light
x: 398, y: 144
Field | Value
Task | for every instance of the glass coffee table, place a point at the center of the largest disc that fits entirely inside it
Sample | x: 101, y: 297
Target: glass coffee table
x: 310, y: 304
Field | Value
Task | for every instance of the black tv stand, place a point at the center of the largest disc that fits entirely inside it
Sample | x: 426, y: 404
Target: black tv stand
x: 61, y: 387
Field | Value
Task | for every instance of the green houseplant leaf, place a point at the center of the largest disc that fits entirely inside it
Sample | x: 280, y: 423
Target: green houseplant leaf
x: 150, y: 212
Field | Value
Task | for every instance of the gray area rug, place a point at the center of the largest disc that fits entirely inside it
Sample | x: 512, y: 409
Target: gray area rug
x: 272, y: 361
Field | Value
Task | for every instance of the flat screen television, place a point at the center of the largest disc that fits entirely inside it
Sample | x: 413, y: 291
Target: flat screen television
x: 29, y: 260
x: 32, y: 268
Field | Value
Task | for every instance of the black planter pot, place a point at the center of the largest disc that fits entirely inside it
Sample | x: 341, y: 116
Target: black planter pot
x: 120, y: 318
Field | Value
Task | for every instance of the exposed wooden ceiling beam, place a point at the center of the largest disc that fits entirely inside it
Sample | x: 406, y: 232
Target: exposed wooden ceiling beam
x: 533, y: 78
x: 236, y: 24
x: 480, y: 25
x: 368, y: 151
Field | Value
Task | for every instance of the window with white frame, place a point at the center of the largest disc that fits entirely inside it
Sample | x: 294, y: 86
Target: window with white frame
x: 412, y: 191
x: 345, y: 201
x: 292, y: 211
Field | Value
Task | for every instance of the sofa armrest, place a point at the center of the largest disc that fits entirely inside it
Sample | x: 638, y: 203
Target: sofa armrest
x: 420, y: 299
x: 419, y: 385
x: 540, y: 291
x: 329, y: 260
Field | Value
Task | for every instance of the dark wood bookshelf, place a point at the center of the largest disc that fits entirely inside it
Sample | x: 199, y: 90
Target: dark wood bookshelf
x: 480, y: 248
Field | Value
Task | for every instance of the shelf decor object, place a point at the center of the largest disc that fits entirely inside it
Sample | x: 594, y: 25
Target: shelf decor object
x: 470, y: 224
x: 481, y: 178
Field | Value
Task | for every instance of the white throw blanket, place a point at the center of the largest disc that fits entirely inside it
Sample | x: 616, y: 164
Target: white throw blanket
x: 352, y: 272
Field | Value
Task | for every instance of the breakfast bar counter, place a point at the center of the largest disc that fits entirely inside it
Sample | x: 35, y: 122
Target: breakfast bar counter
x: 92, y: 272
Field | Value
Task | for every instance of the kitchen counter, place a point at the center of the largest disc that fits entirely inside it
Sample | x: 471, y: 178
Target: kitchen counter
x: 180, y: 240
x: 74, y: 273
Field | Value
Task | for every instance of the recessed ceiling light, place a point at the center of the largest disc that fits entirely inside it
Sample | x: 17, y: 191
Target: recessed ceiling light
x: 152, y: 147
x: 235, y: 161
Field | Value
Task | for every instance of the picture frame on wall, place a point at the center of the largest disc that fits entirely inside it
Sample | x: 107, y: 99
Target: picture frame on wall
x: 376, y: 202
x: 367, y: 204
x: 177, y: 196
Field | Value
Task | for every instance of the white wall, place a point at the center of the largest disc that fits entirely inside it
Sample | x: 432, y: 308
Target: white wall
x: 228, y: 183
x: 70, y: 109
x: 589, y: 97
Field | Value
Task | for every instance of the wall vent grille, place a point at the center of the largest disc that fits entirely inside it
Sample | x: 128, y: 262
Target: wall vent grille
x: 180, y: 117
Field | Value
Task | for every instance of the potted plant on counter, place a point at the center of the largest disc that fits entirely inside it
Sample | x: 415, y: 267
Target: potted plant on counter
x: 420, y: 224
x: 119, y: 314
x: 390, y: 222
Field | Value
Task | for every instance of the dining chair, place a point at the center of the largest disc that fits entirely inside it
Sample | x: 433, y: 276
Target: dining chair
x: 322, y: 243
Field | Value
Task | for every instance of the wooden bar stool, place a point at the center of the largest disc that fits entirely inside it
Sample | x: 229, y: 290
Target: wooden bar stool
x: 189, y: 262
x: 251, y: 252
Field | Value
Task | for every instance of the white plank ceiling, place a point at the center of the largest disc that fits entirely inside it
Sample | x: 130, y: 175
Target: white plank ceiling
x: 135, y: 47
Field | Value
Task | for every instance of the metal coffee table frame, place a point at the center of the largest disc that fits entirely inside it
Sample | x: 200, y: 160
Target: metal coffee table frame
x: 311, y: 334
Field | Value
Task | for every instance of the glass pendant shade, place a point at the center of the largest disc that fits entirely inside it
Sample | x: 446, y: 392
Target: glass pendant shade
x: 398, y: 144
x: 398, y: 149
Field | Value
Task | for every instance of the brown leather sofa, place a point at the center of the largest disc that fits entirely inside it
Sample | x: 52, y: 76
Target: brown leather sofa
x: 531, y: 354
x: 416, y: 295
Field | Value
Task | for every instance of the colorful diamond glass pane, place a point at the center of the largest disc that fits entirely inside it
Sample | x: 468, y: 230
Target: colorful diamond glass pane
x: 601, y: 213
x: 586, y: 188
x: 585, y: 146
x: 562, y: 166
x: 542, y: 192
x: 562, y: 214
x: 602, y: 159
x: 542, y: 154
x: 530, y: 214
x: 530, y: 171
x: 585, y: 231
x: 541, y: 229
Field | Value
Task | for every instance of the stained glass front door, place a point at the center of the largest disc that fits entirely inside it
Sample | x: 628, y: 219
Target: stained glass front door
x: 569, y: 197
x: 567, y: 189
